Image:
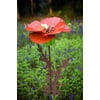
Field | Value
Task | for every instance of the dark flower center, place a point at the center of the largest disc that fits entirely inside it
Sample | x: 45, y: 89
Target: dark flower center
x: 50, y: 29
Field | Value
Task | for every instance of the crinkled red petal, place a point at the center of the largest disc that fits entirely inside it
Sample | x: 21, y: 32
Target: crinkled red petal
x: 35, y: 26
x: 40, y: 38
x: 61, y: 27
x: 57, y: 23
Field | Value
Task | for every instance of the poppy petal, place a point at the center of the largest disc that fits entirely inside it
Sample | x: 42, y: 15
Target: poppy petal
x: 57, y: 23
x: 53, y: 21
x: 66, y: 29
x: 35, y: 26
x: 61, y: 27
x: 40, y: 38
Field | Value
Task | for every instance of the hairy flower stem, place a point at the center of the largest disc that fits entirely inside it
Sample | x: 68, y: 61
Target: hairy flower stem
x: 53, y: 84
x: 49, y: 53
x: 50, y: 66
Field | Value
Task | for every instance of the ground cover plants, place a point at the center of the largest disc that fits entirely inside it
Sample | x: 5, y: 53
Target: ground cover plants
x: 32, y: 72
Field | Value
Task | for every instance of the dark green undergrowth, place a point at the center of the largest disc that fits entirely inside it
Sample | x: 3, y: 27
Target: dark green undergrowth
x: 32, y: 73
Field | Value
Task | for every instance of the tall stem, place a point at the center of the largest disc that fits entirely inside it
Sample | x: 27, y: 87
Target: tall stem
x: 48, y: 65
x: 50, y: 73
x: 49, y: 53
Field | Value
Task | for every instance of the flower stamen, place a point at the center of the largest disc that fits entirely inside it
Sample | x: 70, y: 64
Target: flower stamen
x: 47, y: 28
x: 50, y: 29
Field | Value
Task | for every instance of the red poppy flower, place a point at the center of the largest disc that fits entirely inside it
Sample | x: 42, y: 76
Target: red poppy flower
x: 45, y: 30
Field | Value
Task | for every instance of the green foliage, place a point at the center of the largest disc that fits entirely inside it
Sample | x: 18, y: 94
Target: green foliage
x: 32, y: 74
